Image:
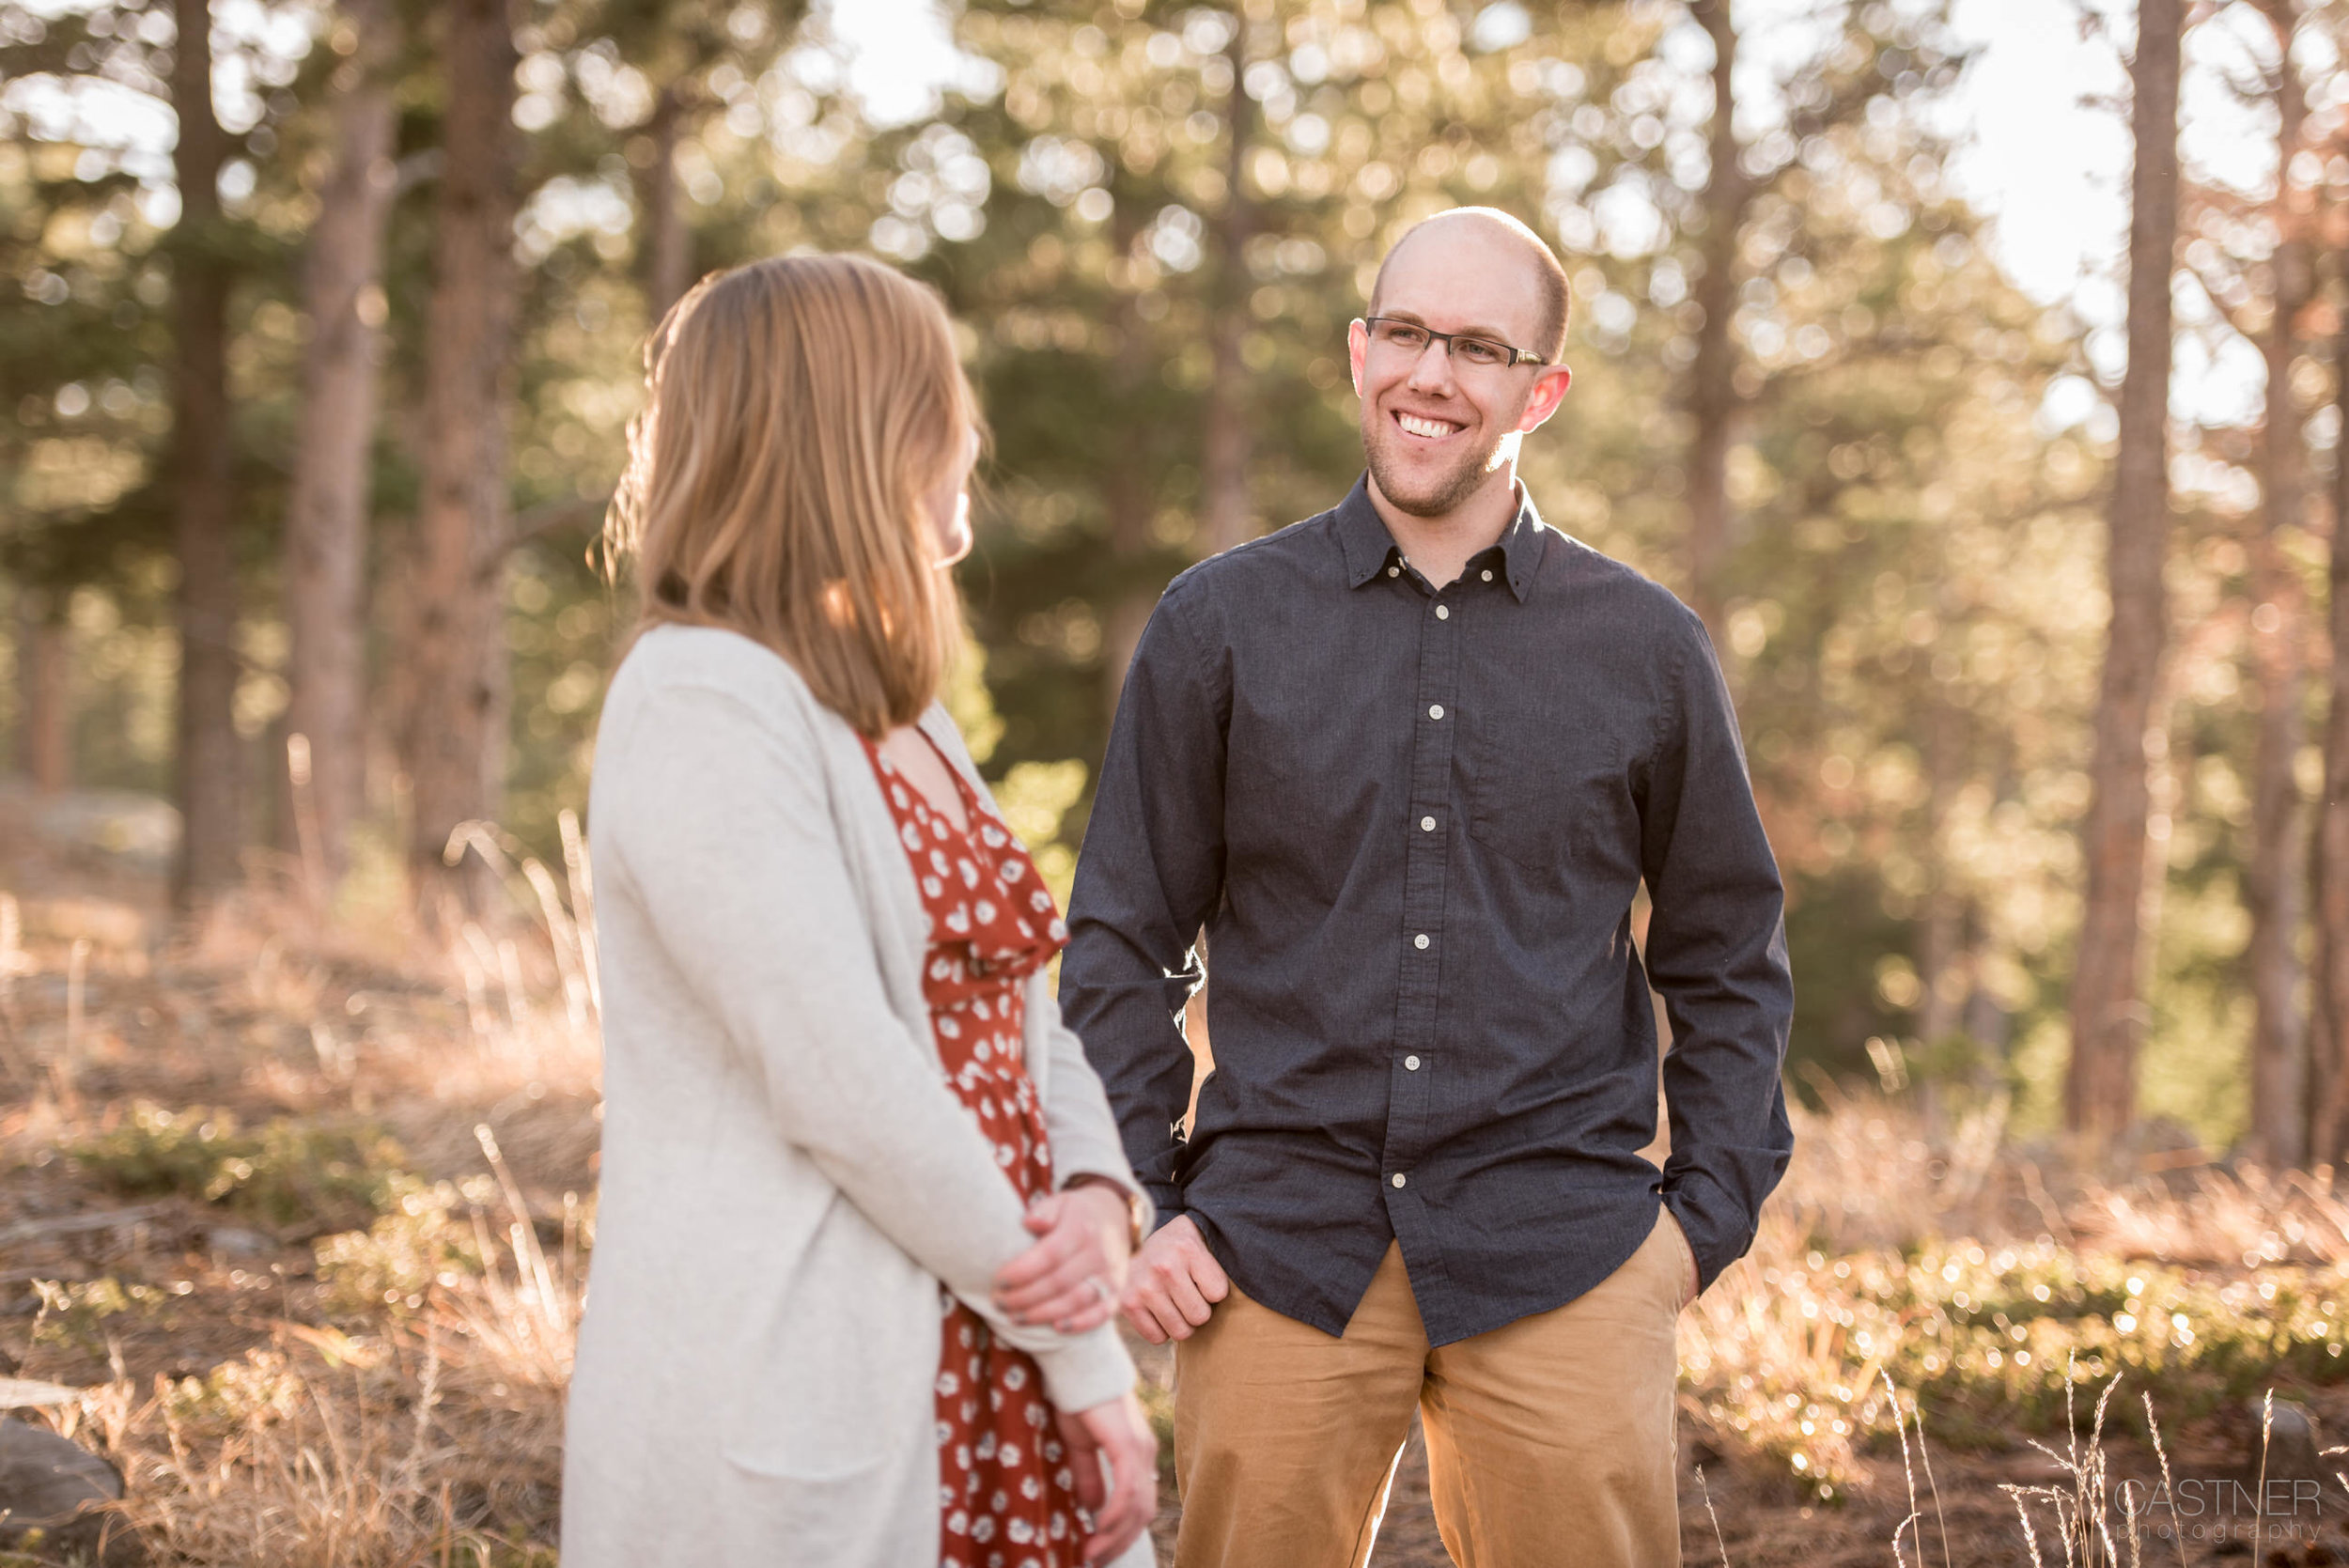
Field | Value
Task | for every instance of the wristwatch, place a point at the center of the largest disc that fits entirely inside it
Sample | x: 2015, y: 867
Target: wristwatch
x: 1140, y: 1211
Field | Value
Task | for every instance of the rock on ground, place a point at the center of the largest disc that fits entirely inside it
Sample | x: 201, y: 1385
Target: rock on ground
x: 46, y: 1484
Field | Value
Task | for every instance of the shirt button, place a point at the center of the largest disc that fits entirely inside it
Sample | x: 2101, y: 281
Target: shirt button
x: 1397, y: 571
x: 1410, y: 1063
x: 1434, y: 710
x: 1396, y: 1178
x: 1442, y: 612
x: 1419, y: 941
x: 1487, y: 574
x: 1426, y: 824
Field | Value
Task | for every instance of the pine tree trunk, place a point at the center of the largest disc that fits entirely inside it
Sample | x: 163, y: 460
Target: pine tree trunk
x: 1126, y: 494
x: 1711, y: 397
x: 2272, y: 882
x: 326, y: 517
x: 2328, y: 1134
x: 666, y: 256
x: 2107, y: 1003
x: 1941, y: 966
x: 210, y: 819
x: 1229, y: 447
x: 457, y: 648
x: 44, y: 705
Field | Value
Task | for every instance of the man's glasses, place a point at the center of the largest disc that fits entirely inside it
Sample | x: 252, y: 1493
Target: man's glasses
x: 1409, y: 337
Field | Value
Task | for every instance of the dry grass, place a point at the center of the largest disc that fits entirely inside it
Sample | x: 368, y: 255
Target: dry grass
x: 275, y: 1385
x: 302, y: 1208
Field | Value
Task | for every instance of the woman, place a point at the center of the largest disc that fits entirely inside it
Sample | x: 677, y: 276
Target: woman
x: 864, y: 1210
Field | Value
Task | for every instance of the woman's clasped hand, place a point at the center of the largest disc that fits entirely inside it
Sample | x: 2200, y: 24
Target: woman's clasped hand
x: 1073, y: 1275
x: 1072, y: 1278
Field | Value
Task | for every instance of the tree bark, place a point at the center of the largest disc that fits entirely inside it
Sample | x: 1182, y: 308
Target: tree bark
x: 2272, y: 881
x: 666, y: 258
x: 2107, y: 1005
x: 1941, y: 966
x: 2328, y: 1137
x: 210, y: 825
x: 44, y: 707
x: 456, y: 649
x: 1229, y: 447
x: 1711, y: 397
x: 1126, y: 484
x: 326, y: 517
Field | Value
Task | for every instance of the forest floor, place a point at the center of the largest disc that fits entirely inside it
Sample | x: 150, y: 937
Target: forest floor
x: 295, y: 1217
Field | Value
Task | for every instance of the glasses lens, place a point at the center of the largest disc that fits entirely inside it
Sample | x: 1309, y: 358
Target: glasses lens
x: 1398, y: 335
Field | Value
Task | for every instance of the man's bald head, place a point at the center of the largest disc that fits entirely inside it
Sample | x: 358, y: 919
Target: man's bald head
x: 1545, y: 274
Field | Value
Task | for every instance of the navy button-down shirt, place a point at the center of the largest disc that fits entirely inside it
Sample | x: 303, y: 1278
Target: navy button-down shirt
x: 1412, y: 822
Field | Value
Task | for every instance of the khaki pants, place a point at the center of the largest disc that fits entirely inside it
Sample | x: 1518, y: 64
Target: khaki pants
x: 1549, y: 1440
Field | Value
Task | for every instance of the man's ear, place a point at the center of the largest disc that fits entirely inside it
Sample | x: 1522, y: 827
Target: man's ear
x: 1549, y: 390
x: 1357, y: 344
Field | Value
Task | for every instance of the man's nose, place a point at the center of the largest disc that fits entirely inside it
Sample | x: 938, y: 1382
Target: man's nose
x: 1432, y: 370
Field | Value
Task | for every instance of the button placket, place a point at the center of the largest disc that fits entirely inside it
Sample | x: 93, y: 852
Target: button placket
x: 1425, y: 871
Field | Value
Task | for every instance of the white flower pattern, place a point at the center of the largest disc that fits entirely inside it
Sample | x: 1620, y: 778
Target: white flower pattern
x: 1004, y: 1475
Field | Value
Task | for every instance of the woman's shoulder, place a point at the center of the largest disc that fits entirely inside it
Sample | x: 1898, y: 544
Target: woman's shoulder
x: 669, y: 660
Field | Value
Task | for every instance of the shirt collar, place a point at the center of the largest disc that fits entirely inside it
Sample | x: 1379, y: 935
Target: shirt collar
x: 1367, y: 546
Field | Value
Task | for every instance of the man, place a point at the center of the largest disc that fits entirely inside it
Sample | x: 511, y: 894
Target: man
x: 1407, y: 762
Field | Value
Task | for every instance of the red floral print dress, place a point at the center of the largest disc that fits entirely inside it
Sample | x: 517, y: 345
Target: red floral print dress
x: 1006, y: 1494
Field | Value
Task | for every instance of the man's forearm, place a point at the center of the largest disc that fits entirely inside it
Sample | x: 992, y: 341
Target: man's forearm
x: 1138, y: 1051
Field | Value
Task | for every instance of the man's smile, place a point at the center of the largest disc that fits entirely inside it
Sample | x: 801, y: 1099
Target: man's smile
x: 1427, y: 428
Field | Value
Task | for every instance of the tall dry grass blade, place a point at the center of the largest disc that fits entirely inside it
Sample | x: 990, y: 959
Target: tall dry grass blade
x: 1908, y: 1470
x: 563, y: 935
x: 2169, y: 1488
x: 2022, y: 1512
x: 1925, y: 1453
x: 510, y: 976
x: 2267, y: 1427
x: 2092, y: 1492
x: 476, y: 982
x: 1717, y: 1538
x: 530, y: 1259
x: 1898, y: 1531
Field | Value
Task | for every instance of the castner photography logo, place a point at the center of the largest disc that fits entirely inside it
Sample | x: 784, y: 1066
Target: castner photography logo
x: 2202, y: 1508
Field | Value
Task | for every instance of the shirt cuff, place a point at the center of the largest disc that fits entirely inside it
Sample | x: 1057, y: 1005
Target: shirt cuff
x: 1169, y: 1199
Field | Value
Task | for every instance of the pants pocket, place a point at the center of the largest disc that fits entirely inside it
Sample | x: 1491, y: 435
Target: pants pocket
x: 1684, y: 1287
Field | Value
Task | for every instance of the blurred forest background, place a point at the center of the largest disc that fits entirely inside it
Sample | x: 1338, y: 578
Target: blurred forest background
x: 323, y: 324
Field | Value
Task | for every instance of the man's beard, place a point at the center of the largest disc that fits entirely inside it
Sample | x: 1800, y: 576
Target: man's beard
x: 1431, y: 498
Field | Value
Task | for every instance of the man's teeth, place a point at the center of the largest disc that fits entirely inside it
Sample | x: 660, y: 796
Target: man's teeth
x: 1435, y: 429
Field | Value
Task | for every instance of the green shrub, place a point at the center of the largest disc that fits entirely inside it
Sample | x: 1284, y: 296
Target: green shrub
x: 73, y: 1316
x: 425, y: 1237
x: 290, y: 1174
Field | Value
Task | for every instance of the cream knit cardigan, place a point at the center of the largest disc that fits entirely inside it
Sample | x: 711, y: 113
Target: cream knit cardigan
x: 786, y: 1176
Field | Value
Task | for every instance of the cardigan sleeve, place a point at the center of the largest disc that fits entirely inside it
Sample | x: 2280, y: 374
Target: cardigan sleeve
x: 726, y: 835
x: 1076, y: 1111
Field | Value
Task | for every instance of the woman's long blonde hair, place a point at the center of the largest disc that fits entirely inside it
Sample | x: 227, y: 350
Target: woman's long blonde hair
x: 800, y: 411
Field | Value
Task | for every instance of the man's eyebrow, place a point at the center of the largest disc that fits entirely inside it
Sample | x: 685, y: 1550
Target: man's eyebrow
x: 1493, y: 333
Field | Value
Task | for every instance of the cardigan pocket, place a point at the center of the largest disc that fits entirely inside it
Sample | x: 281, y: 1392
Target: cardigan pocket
x: 836, y: 1515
